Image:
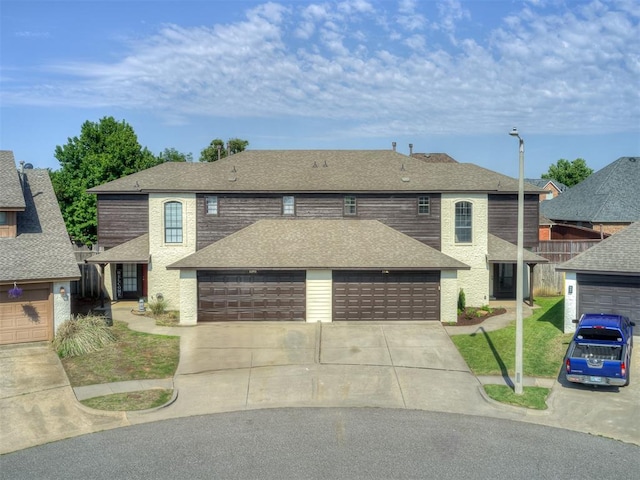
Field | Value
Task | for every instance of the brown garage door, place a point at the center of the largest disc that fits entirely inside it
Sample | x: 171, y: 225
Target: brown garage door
x: 28, y: 318
x: 253, y: 297
x: 389, y: 296
x: 609, y: 294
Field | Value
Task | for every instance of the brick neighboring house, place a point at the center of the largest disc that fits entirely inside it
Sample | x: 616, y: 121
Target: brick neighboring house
x: 35, y: 255
x: 605, y: 202
x: 552, y: 188
x: 314, y: 235
x: 605, y: 278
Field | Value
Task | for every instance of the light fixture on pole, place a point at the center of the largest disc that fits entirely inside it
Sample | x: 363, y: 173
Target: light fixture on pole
x: 519, y: 267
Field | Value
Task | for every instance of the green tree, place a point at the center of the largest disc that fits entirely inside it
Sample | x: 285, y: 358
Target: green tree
x: 173, y: 155
x: 104, y: 151
x: 569, y: 173
x: 217, y: 149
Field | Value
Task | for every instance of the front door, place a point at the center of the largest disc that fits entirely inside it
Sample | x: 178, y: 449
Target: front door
x: 504, y: 280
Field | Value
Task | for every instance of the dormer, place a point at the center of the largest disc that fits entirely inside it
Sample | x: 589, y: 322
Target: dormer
x: 11, y: 195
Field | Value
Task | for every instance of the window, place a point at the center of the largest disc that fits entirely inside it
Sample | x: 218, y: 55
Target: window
x: 463, y: 222
x: 4, y: 220
x: 423, y: 206
x: 130, y: 277
x: 288, y: 205
x: 349, y: 205
x: 173, y: 222
x: 212, y: 205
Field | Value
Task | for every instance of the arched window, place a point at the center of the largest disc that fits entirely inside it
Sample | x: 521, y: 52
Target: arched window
x: 464, y: 222
x: 173, y: 222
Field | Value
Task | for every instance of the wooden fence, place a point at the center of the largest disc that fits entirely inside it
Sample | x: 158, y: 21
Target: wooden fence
x: 546, y: 280
x: 89, y: 284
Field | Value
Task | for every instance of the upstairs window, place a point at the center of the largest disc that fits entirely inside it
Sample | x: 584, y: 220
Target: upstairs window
x: 288, y: 205
x: 423, y: 206
x: 464, y: 222
x: 212, y: 205
x: 349, y: 205
x: 173, y: 222
x: 4, y: 218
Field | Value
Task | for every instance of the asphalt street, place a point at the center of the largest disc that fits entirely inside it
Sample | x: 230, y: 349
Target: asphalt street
x: 329, y: 443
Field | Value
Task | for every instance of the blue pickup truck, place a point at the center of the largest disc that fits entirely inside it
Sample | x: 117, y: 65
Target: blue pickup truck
x: 600, y: 352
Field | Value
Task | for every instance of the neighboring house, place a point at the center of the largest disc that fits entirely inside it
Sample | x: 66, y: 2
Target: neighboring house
x: 605, y: 278
x: 36, y: 255
x: 314, y: 236
x: 605, y: 202
x: 552, y: 188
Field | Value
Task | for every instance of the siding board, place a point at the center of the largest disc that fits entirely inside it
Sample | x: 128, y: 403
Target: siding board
x: 122, y: 218
x: 503, y: 218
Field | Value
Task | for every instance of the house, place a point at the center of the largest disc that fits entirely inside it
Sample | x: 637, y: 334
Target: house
x: 37, y: 262
x: 605, y: 278
x: 605, y: 202
x: 552, y: 188
x: 315, y: 236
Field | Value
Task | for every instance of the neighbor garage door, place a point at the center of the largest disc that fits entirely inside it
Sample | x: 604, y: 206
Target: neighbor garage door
x: 359, y: 295
x: 28, y: 318
x: 254, y: 297
x: 609, y: 294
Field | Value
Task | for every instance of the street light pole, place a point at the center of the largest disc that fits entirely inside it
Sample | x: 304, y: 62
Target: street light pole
x: 519, y: 267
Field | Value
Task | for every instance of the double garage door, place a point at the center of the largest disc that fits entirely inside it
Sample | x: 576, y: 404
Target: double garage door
x: 609, y: 294
x: 365, y: 296
x: 357, y: 295
x: 28, y: 318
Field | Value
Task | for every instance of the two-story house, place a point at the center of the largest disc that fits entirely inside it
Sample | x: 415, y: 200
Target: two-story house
x: 316, y: 236
x: 37, y: 263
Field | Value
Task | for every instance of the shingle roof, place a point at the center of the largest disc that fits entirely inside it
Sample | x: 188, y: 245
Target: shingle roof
x: 42, y: 249
x: 328, y: 244
x: 618, y: 254
x: 11, y: 197
x: 543, y: 182
x: 501, y: 251
x: 133, y: 251
x: 609, y: 195
x: 314, y: 171
x: 434, y: 157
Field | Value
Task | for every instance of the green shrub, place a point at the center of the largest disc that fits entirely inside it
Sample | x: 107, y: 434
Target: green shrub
x: 462, y: 301
x: 158, y: 305
x: 81, y: 335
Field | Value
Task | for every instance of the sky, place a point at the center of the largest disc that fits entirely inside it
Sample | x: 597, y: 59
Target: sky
x: 447, y: 76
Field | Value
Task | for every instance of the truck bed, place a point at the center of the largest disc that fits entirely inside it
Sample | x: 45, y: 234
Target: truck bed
x: 596, y: 352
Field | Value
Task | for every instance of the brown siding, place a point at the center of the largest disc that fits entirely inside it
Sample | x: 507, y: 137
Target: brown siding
x: 122, y: 218
x: 398, y: 211
x: 10, y: 229
x: 503, y: 218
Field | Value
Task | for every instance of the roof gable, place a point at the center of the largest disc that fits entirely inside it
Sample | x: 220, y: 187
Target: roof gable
x: 610, y: 195
x: 315, y: 171
x: 42, y: 249
x: 620, y: 253
x: 11, y: 196
x: 325, y: 244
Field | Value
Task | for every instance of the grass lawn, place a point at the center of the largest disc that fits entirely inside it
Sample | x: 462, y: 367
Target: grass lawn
x: 544, y: 344
x: 130, y: 401
x: 134, y: 356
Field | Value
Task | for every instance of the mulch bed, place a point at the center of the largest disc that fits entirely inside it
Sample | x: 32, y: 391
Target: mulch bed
x: 465, y: 319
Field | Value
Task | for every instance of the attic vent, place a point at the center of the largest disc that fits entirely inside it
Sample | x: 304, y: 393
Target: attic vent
x: 234, y: 169
x: 405, y: 179
x: 325, y: 164
x: 402, y: 168
x: 632, y: 159
x: 315, y: 165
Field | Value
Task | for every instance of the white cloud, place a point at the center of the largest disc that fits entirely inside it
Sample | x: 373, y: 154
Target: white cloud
x: 574, y: 69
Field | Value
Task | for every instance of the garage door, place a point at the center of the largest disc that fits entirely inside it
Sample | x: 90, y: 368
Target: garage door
x: 386, y: 296
x: 253, y: 297
x: 28, y: 318
x: 609, y: 294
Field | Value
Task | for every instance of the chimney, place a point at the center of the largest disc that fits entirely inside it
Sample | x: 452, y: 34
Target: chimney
x: 393, y: 145
x: 410, y: 149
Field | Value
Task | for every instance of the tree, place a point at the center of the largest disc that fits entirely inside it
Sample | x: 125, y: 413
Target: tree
x: 173, y: 155
x: 104, y: 151
x: 569, y: 173
x: 216, y: 149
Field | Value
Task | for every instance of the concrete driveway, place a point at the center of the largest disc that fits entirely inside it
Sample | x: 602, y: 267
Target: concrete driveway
x: 37, y: 404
